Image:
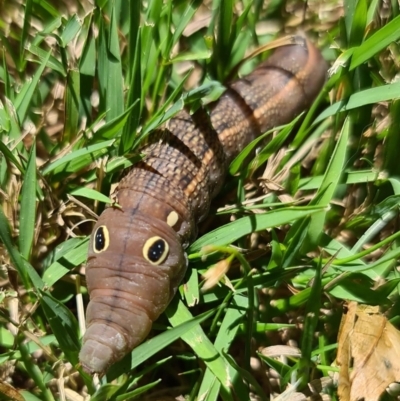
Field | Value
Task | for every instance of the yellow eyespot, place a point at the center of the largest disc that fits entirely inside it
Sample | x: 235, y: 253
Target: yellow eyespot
x: 155, y: 250
x: 101, y: 239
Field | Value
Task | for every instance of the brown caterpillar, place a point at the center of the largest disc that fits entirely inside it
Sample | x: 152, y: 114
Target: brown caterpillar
x: 136, y: 253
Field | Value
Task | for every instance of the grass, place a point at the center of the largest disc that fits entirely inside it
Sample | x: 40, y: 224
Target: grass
x: 78, y: 80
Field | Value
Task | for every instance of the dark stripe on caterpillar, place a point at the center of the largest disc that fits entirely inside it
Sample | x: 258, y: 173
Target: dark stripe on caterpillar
x: 134, y: 271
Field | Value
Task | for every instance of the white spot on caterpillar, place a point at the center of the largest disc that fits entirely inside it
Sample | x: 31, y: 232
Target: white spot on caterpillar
x: 172, y: 218
x: 119, y: 341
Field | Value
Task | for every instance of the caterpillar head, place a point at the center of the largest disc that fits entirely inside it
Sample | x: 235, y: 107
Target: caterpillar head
x: 135, y: 264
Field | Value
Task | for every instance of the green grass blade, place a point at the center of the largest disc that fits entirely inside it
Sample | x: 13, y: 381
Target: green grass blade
x: 25, y: 33
x: 358, y: 22
x: 105, y: 392
x: 6, y: 79
x: 35, y: 373
x: 184, y: 19
x: 234, y: 314
x: 158, y: 120
x: 8, y: 49
x: 362, y: 98
x: 24, y: 269
x: 53, y: 25
x: 191, y: 290
x: 381, y: 39
x: 246, y: 225
x: 79, y: 158
x: 278, y: 366
x: 23, y: 99
x: 134, y: 95
x: 295, y: 241
x: 310, y: 327
x: 204, y: 349
x: 273, y: 147
x: 112, y: 128
x: 60, y: 251
x: 372, y: 10
x: 110, y: 70
x: 329, y: 184
x: 63, y: 324
x: 239, y: 160
x: 87, y: 64
x: 135, y: 10
x: 91, y: 194
x: 356, y: 287
x: 14, y: 130
x: 72, y: 105
x: 10, y: 156
x: 71, y: 29
x: 50, y: 62
x: 28, y: 206
x: 137, y: 392
x: 391, y: 159
x: 66, y: 262
x: 28, y: 396
x: 154, y: 345
x: 247, y: 376
x: 223, y: 44
x: 297, y: 300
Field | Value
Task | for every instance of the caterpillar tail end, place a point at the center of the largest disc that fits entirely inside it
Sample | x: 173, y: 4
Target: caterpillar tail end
x: 97, y: 356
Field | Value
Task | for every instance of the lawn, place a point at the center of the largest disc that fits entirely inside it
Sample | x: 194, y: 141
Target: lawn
x: 300, y: 228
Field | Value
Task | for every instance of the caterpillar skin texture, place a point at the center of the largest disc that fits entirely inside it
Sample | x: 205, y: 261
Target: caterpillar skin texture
x: 136, y: 254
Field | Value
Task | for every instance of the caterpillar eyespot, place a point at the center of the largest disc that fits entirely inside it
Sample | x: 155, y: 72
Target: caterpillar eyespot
x: 101, y: 239
x: 155, y: 250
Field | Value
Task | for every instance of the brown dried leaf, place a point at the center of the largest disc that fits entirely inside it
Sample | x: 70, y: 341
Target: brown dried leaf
x: 370, y: 345
x: 10, y: 392
x: 277, y: 351
x: 216, y: 273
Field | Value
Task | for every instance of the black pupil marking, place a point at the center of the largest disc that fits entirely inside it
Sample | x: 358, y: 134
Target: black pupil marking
x: 156, y: 250
x: 99, y: 240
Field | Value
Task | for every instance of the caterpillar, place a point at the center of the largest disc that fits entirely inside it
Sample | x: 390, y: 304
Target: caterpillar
x: 136, y: 257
